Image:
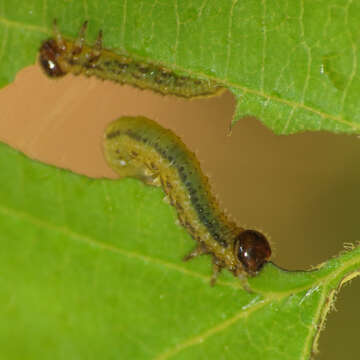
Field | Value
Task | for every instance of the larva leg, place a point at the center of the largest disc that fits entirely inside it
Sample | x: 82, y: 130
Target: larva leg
x: 96, y: 51
x: 81, y: 39
x: 244, y: 282
x: 58, y: 36
x: 98, y: 45
x: 199, y: 250
x: 216, y: 271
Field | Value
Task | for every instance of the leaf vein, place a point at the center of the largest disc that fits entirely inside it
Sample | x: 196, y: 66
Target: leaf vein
x: 229, y: 42
x: 354, y: 62
x: 199, y: 339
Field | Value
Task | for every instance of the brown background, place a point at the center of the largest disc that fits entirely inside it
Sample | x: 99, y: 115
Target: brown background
x: 303, y: 190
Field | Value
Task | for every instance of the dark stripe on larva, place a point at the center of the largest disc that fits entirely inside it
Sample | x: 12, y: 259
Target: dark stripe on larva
x: 205, y: 213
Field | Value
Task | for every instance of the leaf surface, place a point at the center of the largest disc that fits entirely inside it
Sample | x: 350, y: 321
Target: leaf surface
x: 92, y: 269
x: 294, y: 65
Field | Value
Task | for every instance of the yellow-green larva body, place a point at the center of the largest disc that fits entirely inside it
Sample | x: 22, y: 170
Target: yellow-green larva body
x: 60, y: 56
x: 139, y: 147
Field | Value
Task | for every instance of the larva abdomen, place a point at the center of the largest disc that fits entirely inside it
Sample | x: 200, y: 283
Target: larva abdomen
x: 60, y: 56
x: 139, y: 147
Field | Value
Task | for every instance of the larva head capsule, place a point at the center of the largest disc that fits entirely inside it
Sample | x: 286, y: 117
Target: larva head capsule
x: 49, y: 52
x: 253, y: 250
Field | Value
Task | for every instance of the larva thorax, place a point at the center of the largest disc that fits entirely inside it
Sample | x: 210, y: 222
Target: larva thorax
x: 59, y: 56
x: 139, y: 147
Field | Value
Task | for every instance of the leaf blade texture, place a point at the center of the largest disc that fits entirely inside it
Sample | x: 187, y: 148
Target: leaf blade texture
x: 98, y: 262
x: 294, y: 66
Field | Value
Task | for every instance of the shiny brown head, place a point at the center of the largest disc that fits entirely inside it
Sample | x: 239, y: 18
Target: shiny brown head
x: 49, y: 53
x: 252, y: 250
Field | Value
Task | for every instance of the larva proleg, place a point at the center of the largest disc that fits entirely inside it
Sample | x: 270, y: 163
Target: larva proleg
x: 139, y: 147
x: 60, y: 56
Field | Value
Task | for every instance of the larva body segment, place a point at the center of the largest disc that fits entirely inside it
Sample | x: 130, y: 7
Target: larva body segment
x: 60, y: 56
x: 139, y: 147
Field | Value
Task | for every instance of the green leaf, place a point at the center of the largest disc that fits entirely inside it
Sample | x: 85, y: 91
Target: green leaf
x: 91, y: 269
x: 294, y: 65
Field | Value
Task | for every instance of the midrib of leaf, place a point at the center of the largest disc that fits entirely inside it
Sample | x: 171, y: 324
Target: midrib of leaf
x: 315, y: 328
x: 226, y: 82
x: 212, y: 331
x: 257, y: 303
